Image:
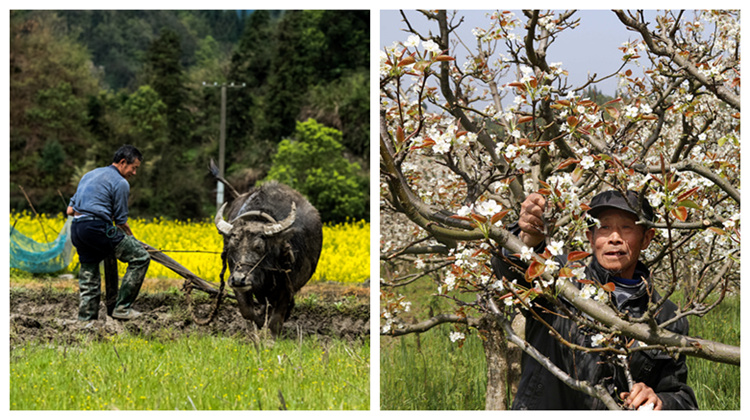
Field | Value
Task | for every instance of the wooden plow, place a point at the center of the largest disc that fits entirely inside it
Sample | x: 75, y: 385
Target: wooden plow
x: 111, y: 278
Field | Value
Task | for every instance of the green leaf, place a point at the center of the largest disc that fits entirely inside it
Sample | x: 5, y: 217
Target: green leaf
x: 689, y: 203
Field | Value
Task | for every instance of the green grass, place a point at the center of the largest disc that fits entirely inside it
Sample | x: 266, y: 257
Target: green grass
x: 202, y: 372
x: 428, y: 372
x: 717, y: 386
x: 431, y: 373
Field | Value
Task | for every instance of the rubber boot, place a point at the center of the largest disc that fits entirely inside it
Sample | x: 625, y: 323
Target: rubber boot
x: 130, y: 251
x: 90, y: 287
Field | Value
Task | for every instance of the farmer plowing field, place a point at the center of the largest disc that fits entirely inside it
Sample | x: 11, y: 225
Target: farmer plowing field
x: 100, y: 228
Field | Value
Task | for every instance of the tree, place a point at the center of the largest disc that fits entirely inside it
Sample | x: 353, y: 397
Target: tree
x: 51, y: 80
x: 312, y: 162
x: 457, y: 160
x: 166, y: 76
x: 344, y: 104
x: 251, y: 65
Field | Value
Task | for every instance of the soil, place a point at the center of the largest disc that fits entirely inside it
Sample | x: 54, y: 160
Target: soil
x: 48, y: 312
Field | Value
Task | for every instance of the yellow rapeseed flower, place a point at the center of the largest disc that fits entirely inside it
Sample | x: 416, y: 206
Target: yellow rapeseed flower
x: 197, y: 245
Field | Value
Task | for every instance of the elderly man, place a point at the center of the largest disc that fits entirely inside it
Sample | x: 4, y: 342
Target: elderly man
x: 100, y: 228
x: 658, y: 379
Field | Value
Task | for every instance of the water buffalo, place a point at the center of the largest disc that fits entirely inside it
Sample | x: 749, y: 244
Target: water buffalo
x: 272, y: 242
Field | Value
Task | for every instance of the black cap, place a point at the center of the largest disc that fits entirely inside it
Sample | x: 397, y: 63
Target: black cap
x: 614, y: 199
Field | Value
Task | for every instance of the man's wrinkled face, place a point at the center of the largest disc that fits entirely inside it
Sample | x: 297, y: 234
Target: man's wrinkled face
x: 618, y: 241
x: 128, y: 170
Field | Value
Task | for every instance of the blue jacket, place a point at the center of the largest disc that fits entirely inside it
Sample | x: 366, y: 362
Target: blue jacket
x: 104, y: 193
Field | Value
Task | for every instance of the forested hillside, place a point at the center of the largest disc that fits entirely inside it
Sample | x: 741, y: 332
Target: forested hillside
x: 82, y: 83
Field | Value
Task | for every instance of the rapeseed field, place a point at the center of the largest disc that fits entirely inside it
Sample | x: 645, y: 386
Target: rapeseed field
x: 197, y: 245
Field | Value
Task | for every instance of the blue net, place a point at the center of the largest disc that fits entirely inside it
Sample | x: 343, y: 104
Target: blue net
x: 34, y: 257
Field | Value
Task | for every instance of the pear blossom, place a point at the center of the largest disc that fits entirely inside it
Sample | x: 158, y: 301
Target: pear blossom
x: 489, y: 208
x: 523, y: 163
x: 590, y: 291
x: 587, y: 162
x: 464, y: 211
x: 579, y: 272
x: 456, y: 336
x: 597, y: 340
x: 731, y: 222
x: 631, y: 111
x: 527, y: 253
x: 550, y: 266
x: 510, y: 151
x: 406, y: 305
x: 412, y: 41
x: 431, y: 46
x: 478, y: 33
x: 556, y: 247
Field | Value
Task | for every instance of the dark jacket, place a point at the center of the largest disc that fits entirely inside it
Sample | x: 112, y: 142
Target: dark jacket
x: 541, y: 390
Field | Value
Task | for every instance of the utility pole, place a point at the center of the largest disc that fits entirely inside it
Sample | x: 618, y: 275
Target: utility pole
x: 222, y: 136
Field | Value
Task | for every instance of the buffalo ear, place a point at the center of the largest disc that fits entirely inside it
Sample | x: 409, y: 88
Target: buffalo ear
x: 288, y: 252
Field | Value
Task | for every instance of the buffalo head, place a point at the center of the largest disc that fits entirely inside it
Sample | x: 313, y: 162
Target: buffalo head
x: 254, y: 243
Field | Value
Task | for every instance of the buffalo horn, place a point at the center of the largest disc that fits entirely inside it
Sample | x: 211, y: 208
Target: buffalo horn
x: 256, y: 213
x: 272, y: 227
x: 221, y: 224
x: 283, y: 225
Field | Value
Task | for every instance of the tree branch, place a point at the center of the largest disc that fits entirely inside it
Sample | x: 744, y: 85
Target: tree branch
x: 436, y: 320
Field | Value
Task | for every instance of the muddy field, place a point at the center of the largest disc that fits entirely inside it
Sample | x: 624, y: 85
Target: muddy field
x: 48, y: 313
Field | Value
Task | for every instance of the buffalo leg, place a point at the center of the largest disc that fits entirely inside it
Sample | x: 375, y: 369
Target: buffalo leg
x: 248, y: 309
x: 280, y: 313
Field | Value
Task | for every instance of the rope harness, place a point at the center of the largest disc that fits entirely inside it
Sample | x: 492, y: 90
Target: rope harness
x: 188, y: 288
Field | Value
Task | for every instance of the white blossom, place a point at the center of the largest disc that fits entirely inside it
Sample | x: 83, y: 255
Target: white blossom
x: 550, y: 266
x: 655, y: 198
x: 631, y: 111
x: 523, y: 163
x: 406, y: 305
x: 731, y: 222
x: 456, y: 336
x: 556, y: 247
x: 431, y: 46
x: 587, y: 162
x: 464, y: 211
x: 412, y: 41
x: 489, y: 208
x: 527, y: 253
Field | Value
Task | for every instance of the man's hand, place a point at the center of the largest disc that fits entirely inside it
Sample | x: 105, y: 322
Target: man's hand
x: 126, y: 228
x: 640, y: 395
x: 530, y: 221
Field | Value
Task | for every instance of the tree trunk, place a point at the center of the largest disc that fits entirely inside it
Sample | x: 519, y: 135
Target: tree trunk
x: 514, y: 355
x: 503, y: 364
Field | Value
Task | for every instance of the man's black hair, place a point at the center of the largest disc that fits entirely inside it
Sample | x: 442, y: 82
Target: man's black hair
x: 129, y: 153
